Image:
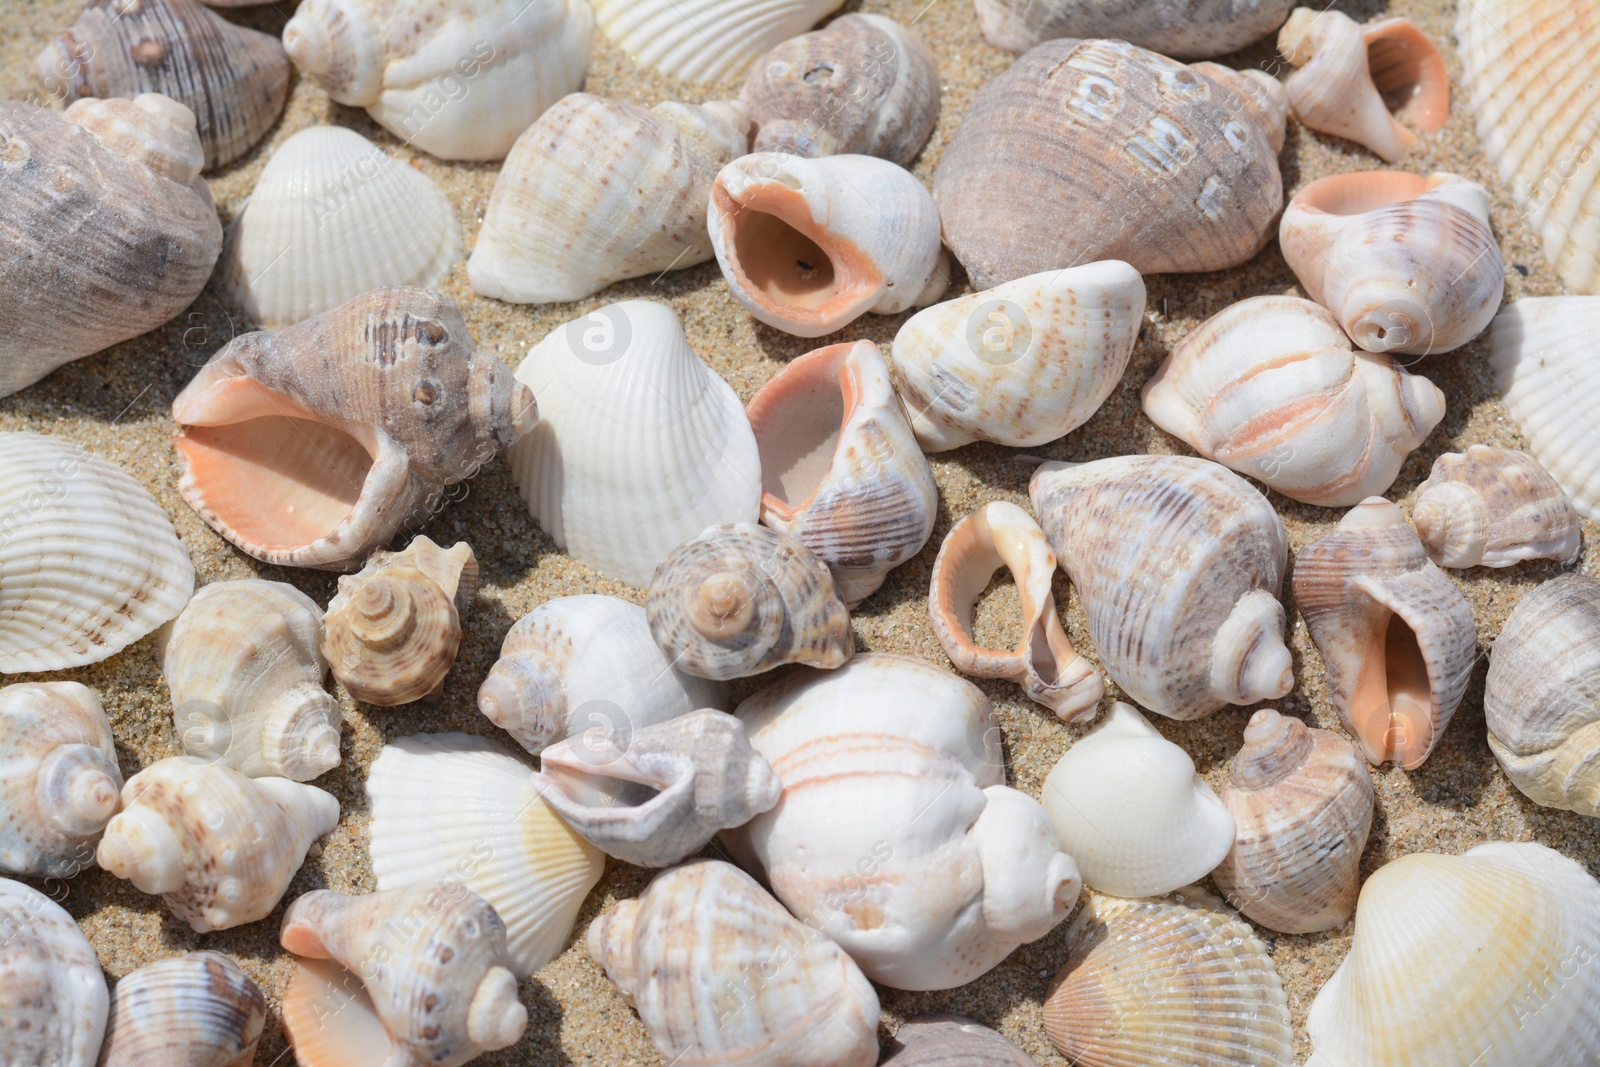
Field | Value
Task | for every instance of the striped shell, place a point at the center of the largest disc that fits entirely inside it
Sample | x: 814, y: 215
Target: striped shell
x: 704, y: 40
x: 53, y: 996
x: 196, y: 1010
x: 1494, y: 507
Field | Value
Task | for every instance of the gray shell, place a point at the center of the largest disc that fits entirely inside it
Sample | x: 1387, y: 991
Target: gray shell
x: 951, y: 1041
x: 1183, y: 29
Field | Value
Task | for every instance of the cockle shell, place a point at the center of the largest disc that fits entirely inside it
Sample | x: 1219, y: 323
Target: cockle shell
x: 696, y: 956
x: 1093, y: 150
x: 52, y: 992
x: 245, y: 671
x: 1044, y: 663
x: 601, y: 190
x: 89, y: 562
x: 452, y: 807
x: 1301, y: 801
x: 808, y: 246
x: 1270, y: 387
x: 1494, y: 507
x: 840, y: 469
x: 311, y: 446
x: 1183, y: 29
x: 640, y: 445
x: 705, y: 40
x: 1486, y: 958
x: 1397, y: 638
x: 218, y: 847
x: 195, y: 1010
x: 951, y: 1041
x: 458, y: 80
x: 1179, y: 564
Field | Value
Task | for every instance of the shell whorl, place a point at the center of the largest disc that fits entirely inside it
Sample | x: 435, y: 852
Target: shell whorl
x: 1274, y: 746
x: 723, y: 606
x: 393, y: 632
x: 78, y: 788
x: 524, y: 696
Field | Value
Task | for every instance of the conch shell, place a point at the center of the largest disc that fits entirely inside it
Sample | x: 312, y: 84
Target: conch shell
x: 1494, y: 507
x: 705, y: 40
x: 1183, y: 29
x: 53, y: 995
x: 951, y: 1041
x: 195, y: 1010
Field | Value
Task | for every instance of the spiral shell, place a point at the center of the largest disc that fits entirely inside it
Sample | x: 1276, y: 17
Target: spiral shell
x: 951, y: 1041
x: 1494, y: 507
x: 58, y: 778
x: 1183, y: 29
x: 52, y: 993
x: 705, y: 40
x: 195, y: 1010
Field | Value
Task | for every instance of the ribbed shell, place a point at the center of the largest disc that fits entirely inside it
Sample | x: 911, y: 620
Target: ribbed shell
x: 705, y: 40
x: 1494, y: 507
x: 195, y: 1010
x: 52, y: 993
x: 1183, y: 29
x: 951, y: 1041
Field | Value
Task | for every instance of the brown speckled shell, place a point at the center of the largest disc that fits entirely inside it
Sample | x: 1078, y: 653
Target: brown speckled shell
x: 1494, y: 507
x: 52, y: 992
x: 1183, y: 29
x: 195, y: 1010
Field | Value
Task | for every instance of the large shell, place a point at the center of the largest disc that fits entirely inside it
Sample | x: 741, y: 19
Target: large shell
x: 1270, y: 387
x: 951, y: 1041
x: 52, y: 993
x: 1493, y: 507
x: 840, y: 468
x: 1183, y: 29
x: 640, y: 445
x: 311, y: 446
x: 1396, y: 636
x: 1091, y: 150
x: 1179, y: 564
x: 1023, y: 363
x: 705, y: 40
x: 696, y: 956
x: 195, y: 1010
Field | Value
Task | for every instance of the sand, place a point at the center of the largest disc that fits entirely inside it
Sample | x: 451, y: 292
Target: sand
x: 117, y: 404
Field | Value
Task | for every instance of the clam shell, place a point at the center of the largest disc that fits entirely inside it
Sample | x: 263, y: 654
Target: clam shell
x: 1494, y: 507
x: 195, y: 1010
x: 1183, y: 29
x: 52, y: 993
x: 705, y: 40
x: 951, y: 1041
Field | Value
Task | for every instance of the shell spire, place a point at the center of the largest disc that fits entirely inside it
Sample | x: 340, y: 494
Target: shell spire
x: 1494, y: 507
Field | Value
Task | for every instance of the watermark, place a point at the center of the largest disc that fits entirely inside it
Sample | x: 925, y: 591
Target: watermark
x: 601, y: 337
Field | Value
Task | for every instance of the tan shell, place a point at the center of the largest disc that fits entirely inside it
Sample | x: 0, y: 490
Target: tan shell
x: 951, y: 1041
x: 1494, y: 507
x: 195, y: 1010
x: 1183, y: 29
x: 52, y: 992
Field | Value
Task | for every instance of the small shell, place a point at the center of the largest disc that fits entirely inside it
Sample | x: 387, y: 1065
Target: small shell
x: 810, y: 245
x: 386, y: 406
x: 1301, y: 801
x: 1494, y: 507
x: 1269, y: 387
x: 705, y: 40
x: 195, y: 1010
x: 1044, y: 662
x: 1398, y: 639
x: 218, y: 847
x: 1021, y: 364
x: 951, y: 1041
x: 1183, y: 29
x: 52, y: 992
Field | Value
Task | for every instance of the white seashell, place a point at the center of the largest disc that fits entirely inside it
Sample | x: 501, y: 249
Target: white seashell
x: 1494, y: 507
x: 53, y: 996
x: 1021, y: 364
x: 640, y: 445
x: 1270, y: 387
x: 452, y: 807
x: 810, y: 245
x: 705, y: 40
x: 1183, y: 29
x: 90, y: 562
x: 195, y: 1010
x: 951, y: 1041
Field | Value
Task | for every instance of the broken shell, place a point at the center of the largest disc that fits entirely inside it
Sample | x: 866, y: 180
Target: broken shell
x: 1270, y: 387
x: 52, y: 992
x: 951, y: 1041
x: 1183, y: 29
x: 810, y: 245
x: 1493, y: 507
x: 1179, y: 564
x: 705, y: 40
x: 1397, y: 638
x: 195, y: 1010
x: 311, y: 446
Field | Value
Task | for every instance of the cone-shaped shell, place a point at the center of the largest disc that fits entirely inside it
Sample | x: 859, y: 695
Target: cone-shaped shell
x: 311, y: 446
x: 705, y: 40
x: 1183, y: 29
x: 951, y: 1041
x: 52, y: 992
x: 1494, y: 507
x: 195, y: 1010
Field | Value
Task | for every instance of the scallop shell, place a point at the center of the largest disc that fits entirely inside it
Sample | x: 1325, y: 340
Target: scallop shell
x: 1270, y: 387
x: 52, y: 993
x: 452, y: 807
x: 601, y: 190
x: 1397, y: 638
x: 808, y: 246
x: 705, y: 40
x: 1494, y: 507
x: 195, y: 1010
x: 951, y: 1041
x: 641, y: 445
x: 696, y: 955
x: 366, y: 412
x: 1179, y: 564
x: 59, y: 778
x: 1183, y: 29
x: 459, y: 80
x: 840, y: 468
x: 1092, y: 150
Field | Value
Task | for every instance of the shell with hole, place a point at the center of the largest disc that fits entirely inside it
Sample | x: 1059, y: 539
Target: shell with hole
x: 1494, y: 507
x: 1270, y: 387
x: 312, y: 446
x: 705, y: 40
x: 53, y: 997
x: 951, y: 1041
x: 1179, y: 563
x: 1183, y: 29
x: 195, y: 1010
x: 1397, y: 637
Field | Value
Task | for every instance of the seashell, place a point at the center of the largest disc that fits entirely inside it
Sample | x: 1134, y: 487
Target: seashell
x: 436, y: 989
x: 1270, y: 387
x: 1358, y: 81
x: 1183, y: 29
x: 810, y: 245
x: 320, y: 229
x: 1129, y: 807
x: 1398, y: 639
x: 89, y: 562
x: 705, y: 40
x: 864, y: 85
x: 235, y: 80
x: 1542, y: 697
x: 1094, y: 150
x: 1261, y: 94
x: 145, y: 233
x: 840, y: 469
x: 1174, y: 980
x: 1179, y: 564
x: 459, y: 81
x: 951, y: 1041
x: 452, y: 807
x: 52, y: 992
x: 601, y: 190
x: 246, y: 673
x: 1406, y: 264
x: 1454, y: 955
x: 701, y: 772
x: 392, y: 631
x: 1301, y: 801
x: 641, y: 445
x: 693, y: 955
x: 895, y: 834
x: 1021, y: 364
x: 195, y: 1010
x: 367, y: 413
x: 1494, y: 507
x: 218, y: 847
x: 1044, y: 662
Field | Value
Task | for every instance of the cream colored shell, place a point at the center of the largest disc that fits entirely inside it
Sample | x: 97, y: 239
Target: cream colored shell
x: 1494, y: 507
x: 705, y: 40
x: 52, y: 993
x: 1183, y: 29
x: 196, y: 1010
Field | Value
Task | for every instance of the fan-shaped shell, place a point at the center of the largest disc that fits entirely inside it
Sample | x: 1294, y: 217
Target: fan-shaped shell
x: 52, y: 993
x: 1183, y: 29
x: 951, y: 1041
x: 705, y: 40
x: 195, y: 1010
x: 1494, y: 507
